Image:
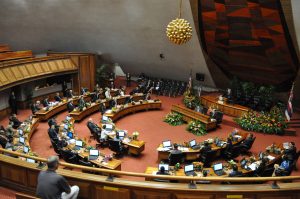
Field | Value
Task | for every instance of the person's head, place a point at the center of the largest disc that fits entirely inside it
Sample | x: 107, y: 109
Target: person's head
x: 204, y: 173
x: 162, y: 169
x: 175, y: 146
x: 205, y: 143
x: 57, y: 94
x: 90, y: 119
x: 71, y: 91
x: 234, y: 167
x: 38, y: 102
x: 117, y: 135
x: 52, y: 163
x: 14, y: 115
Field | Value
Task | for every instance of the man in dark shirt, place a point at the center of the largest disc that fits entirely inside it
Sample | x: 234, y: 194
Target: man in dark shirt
x: 70, y: 106
x: 235, y: 172
x: 57, y: 98
x: 35, y: 107
x: 53, y: 133
x: 53, y: 186
x: 46, y: 102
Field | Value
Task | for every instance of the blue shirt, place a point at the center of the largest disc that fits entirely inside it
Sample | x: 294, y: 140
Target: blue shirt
x: 285, y: 165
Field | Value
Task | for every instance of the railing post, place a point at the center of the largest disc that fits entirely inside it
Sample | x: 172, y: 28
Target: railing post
x: 192, y: 185
x: 110, y: 178
x: 274, y: 185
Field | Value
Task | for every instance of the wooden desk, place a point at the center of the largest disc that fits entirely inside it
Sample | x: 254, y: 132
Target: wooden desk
x: 189, y: 115
x: 234, y: 110
x: 191, y: 154
x: 130, y: 108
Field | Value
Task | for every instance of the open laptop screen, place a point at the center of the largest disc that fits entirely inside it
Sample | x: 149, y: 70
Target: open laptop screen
x: 78, y: 143
x: 25, y: 149
x: 30, y: 160
x: 22, y: 140
x: 104, y: 118
x: 121, y: 134
x: 188, y: 168
x: 192, y: 143
x: 166, y: 143
x: 109, y: 127
x: 94, y: 152
x: 218, y: 167
x: 166, y: 166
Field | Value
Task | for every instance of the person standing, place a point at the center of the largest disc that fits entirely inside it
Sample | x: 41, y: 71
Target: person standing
x: 128, y: 79
x: 51, y: 185
x: 13, y: 103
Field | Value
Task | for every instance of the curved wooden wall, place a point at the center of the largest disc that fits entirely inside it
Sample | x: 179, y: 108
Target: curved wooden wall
x: 20, y: 71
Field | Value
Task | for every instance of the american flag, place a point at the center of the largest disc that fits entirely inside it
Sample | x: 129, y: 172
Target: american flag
x: 289, y: 108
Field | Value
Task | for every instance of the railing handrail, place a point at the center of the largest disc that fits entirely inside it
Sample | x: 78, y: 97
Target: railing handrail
x: 166, y: 177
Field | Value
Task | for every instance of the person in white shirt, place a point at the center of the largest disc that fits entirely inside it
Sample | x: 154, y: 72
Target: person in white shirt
x: 107, y: 93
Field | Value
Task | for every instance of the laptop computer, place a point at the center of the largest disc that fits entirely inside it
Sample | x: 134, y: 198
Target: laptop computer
x: 78, y: 145
x: 121, y: 134
x: 109, y: 127
x: 21, y: 140
x: 93, y: 154
x: 167, y: 144
x: 104, y: 118
x: 30, y: 160
x: 25, y: 149
x: 20, y: 131
x: 218, y: 169
x: 189, y: 170
x: 166, y: 166
x: 193, y: 144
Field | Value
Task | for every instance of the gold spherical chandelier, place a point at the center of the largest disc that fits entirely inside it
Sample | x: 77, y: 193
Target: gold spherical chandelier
x: 179, y: 31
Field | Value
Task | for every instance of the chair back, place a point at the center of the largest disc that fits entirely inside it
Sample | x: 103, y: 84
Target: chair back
x: 176, y: 158
x: 114, y: 145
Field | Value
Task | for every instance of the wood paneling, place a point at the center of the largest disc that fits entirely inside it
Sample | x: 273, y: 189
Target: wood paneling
x: 16, y: 55
x: 150, y: 195
x: 14, y: 174
x: 13, y: 74
x: 110, y: 192
x: 86, y: 63
x: 191, y: 196
x: 4, y: 48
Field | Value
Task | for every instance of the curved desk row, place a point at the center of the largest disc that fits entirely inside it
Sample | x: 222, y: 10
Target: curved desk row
x: 233, y: 110
x: 22, y: 176
x: 94, y: 107
x: 193, y: 154
x: 132, y: 108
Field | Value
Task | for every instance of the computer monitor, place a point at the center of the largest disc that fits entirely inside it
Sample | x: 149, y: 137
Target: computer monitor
x: 188, y: 168
x: 166, y: 166
x: 243, y: 162
x: 94, y: 152
x: 70, y: 134
x: 78, y: 143
x: 25, y: 149
x: 167, y: 143
x: 22, y: 140
x: 104, y: 118
x: 109, y: 127
x: 30, y: 160
x: 121, y: 133
x: 66, y: 126
x: 218, y: 167
x: 192, y: 143
x: 20, y: 132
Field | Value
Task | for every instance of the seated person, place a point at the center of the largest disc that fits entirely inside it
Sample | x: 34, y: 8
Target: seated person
x: 83, y: 91
x: 148, y: 96
x: 95, y: 96
x: 70, y: 106
x: 235, y: 172
x: 94, y: 128
x: 35, y: 107
x: 81, y: 103
x: 57, y: 98
x: 107, y: 93
x: 15, y: 121
x: 261, y: 167
x: 162, y: 171
x: 247, y: 142
x: 135, y: 90
x: 69, y: 94
x: 129, y: 99
x: 175, y: 155
x: 102, y: 108
x: 122, y: 91
x: 10, y: 131
x: 113, y: 103
x: 284, y: 169
x: 206, y: 148
x: 53, y: 134
x: 291, y: 151
x: 51, y: 122
x: 3, y: 141
x: 46, y: 102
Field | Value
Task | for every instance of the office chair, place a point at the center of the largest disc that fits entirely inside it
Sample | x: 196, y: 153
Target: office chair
x: 208, y: 157
x: 244, y: 149
x: 176, y: 158
x: 3, y: 141
x: 219, y: 117
x: 231, y: 153
x: 102, y: 143
x: 69, y: 156
x: 115, y: 146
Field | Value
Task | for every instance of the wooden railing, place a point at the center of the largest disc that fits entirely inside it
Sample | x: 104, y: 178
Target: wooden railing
x: 16, y: 55
x: 22, y: 176
x: 4, y: 48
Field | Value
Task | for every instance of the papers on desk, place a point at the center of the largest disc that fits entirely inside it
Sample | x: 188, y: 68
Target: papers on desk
x: 71, y: 141
x: 270, y: 157
x: 154, y: 172
x: 237, y: 136
x: 108, y: 111
x: 126, y: 140
x: 253, y: 166
x: 163, y: 149
x: 150, y: 101
x: 183, y: 149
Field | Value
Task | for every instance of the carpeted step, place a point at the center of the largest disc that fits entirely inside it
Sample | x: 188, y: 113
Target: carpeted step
x: 290, y: 131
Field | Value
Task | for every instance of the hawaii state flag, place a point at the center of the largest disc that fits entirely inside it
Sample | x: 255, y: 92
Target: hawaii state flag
x: 289, y: 108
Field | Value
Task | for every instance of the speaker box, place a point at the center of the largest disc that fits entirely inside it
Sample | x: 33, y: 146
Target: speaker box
x: 200, y: 77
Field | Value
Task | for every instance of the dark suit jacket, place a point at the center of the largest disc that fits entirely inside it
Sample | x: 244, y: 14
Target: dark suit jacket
x: 53, y: 134
x: 16, y: 122
x: 34, y: 108
x: 57, y: 98
x: 70, y: 106
x: 45, y: 103
x: 68, y: 94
